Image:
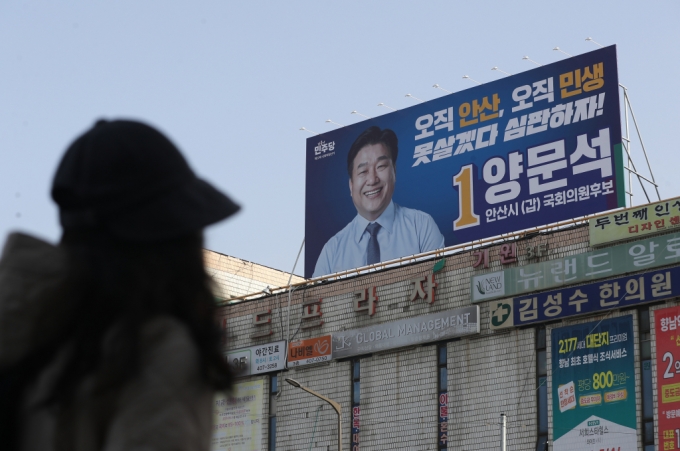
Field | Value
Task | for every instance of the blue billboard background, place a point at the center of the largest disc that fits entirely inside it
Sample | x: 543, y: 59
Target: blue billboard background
x: 478, y: 167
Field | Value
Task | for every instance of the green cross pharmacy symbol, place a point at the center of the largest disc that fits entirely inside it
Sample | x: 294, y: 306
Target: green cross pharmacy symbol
x: 501, y: 314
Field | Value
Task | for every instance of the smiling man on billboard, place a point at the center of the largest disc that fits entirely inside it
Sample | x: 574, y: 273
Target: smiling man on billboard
x: 381, y: 230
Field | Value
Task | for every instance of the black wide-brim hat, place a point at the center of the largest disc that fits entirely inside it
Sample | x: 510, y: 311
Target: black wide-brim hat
x: 126, y: 178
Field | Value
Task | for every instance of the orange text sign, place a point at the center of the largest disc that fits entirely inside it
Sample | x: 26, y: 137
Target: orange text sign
x: 311, y: 350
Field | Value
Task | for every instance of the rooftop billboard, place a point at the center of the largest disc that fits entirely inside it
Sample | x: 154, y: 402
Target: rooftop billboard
x: 526, y: 150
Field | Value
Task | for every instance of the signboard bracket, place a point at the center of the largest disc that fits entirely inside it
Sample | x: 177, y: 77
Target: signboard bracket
x: 627, y: 106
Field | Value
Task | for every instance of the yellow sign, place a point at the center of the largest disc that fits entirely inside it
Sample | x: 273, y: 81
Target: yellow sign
x: 671, y: 393
x: 616, y: 395
x: 590, y: 400
x: 635, y: 222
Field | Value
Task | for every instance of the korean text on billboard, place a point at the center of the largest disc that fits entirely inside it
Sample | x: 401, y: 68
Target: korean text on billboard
x: 526, y: 150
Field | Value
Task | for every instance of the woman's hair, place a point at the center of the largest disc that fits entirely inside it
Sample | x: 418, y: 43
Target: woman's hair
x: 119, y: 286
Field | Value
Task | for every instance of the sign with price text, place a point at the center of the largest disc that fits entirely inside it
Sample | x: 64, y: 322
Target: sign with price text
x: 593, y: 386
x: 667, y: 331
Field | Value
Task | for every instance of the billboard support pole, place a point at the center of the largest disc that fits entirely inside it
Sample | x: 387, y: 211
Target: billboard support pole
x: 290, y: 294
x: 628, y: 150
x: 627, y: 106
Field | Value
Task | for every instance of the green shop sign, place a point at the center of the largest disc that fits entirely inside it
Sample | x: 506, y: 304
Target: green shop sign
x: 593, y: 386
x: 612, y: 261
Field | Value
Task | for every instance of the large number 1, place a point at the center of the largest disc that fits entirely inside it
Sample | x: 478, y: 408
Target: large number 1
x: 466, y: 215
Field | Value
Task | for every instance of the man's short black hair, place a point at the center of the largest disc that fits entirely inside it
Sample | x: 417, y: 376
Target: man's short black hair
x: 370, y: 136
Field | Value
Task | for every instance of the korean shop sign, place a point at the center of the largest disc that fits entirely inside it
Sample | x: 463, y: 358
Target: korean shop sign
x: 667, y: 331
x: 593, y: 386
x: 311, y: 350
x: 634, y: 222
x: 407, y: 332
x: 258, y: 359
x: 422, y: 289
x: 523, y: 151
x: 612, y: 261
x: 594, y: 297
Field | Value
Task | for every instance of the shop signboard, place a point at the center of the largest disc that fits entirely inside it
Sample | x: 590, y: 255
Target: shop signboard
x: 581, y: 299
x: 635, y: 222
x: 258, y: 359
x: 612, y: 261
x: 667, y: 332
x: 237, y: 418
x: 310, y: 350
x: 530, y: 149
x: 593, y: 386
x: 407, y: 332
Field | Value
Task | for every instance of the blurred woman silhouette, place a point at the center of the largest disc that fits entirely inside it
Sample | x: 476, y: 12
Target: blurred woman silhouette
x: 109, y: 340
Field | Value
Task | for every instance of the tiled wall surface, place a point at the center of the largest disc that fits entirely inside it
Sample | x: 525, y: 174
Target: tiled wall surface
x: 490, y: 373
x: 235, y: 277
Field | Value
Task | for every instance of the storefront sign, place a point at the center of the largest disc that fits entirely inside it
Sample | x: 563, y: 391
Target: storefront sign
x: 407, y: 332
x: 311, y: 314
x: 258, y: 359
x: 613, y: 261
x: 634, y: 222
x: 311, y: 350
x: 667, y: 330
x: 608, y: 294
x: 262, y: 322
x: 593, y: 386
x: 237, y: 418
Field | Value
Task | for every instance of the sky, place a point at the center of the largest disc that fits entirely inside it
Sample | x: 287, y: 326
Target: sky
x: 232, y: 83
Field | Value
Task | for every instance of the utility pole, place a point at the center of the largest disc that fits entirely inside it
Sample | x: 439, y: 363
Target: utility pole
x: 503, y: 432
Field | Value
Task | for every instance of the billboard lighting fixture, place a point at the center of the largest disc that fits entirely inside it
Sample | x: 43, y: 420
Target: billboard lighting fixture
x: 333, y: 122
x: 529, y: 59
x: 436, y: 86
x: 356, y: 112
x: 560, y: 50
x: 387, y: 106
x: 413, y: 97
x: 469, y: 78
x: 304, y: 129
x: 500, y: 70
x: 594, y: 42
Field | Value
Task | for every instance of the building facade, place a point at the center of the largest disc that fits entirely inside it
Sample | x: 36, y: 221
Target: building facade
x: 235, y: 277
x: 559, y: 336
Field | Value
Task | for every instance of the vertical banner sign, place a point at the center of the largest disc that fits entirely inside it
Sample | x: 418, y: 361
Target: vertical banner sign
x: 356, y: 414
x: 237, y: 419
x: 593, y: 386
x: 443, y: 419
x: 667, y: 329
x: 526, y: 150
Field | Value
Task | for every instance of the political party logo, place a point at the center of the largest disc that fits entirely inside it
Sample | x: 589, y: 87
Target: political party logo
x: 488, y: 286
x: 501, y: 314
x: 324, y: 150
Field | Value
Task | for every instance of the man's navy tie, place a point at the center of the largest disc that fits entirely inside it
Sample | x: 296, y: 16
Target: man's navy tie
x: 373, y: 251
